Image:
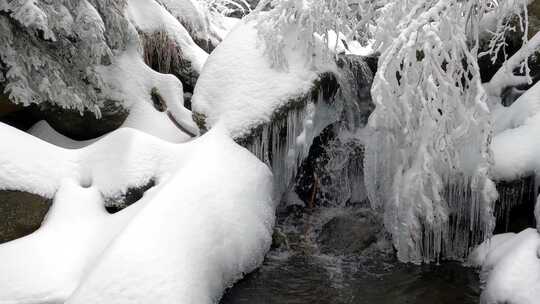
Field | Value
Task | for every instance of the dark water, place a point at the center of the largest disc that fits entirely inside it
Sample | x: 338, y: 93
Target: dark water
x: 300, y: 274
x: 319, y: 280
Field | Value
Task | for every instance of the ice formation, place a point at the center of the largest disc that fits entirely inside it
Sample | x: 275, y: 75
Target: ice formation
x: 429, y: 160
x: 274, y: 113
x: 193, y: 234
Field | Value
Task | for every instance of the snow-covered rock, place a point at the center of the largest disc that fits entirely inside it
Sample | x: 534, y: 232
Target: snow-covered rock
x: 239, y: 86
x: 274, y: 111
x: 510, y: 268
x: 207, y: 221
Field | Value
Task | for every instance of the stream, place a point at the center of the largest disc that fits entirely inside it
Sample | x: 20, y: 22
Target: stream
x: 309, y: 279
x: 297, y: 275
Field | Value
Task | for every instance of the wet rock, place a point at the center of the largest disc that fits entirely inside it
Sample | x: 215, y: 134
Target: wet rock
x: 350, y: 233
x: 279, y: 239
x: 6, y: 106
x: 21, y: 213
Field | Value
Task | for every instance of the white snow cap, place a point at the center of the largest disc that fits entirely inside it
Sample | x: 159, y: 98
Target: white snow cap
x: 239, y: 86
x: 510, y: 268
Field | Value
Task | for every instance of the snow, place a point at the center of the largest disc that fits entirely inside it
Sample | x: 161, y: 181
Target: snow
x: 131, y: 80
x: 194, y: 247
x: 352, y: 47
x: 190, y: 14
x: 516, y: 145
x: 45, y: 132
x: 510, y: 268
x: 47, y: 265
x: 239, y: 87
x: 206, y: 223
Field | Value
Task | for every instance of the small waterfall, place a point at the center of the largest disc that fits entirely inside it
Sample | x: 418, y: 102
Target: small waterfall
x: 337, y: 165
x: 285, y: 141
x: 341, y: 99
x: 511, y: 195
x: 343, y: 179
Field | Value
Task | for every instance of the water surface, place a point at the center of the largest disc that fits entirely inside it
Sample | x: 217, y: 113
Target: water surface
x: 302, y: 279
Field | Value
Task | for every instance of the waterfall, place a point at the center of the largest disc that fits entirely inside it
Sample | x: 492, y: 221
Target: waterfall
x: 285, y: 141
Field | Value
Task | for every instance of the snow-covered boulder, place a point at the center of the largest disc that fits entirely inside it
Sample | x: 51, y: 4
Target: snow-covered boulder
x: 510, y: 268
x: 275, y: 112
x: 207, y: 221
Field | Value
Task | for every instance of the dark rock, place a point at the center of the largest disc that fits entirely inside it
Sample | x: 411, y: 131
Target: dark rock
x: 313, y: 180
x: 279, y: 239
x: 350, y: 233
x: 164, y: 55
x: 534, y: 18
x: 71, y: 123
x: 84, y: 126
x: 130, y: 197
x: 157, y: 100
x: 21, y: 213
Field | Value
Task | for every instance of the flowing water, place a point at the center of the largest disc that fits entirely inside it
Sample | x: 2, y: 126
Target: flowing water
x: 301, y: 274
x: 320, y: 280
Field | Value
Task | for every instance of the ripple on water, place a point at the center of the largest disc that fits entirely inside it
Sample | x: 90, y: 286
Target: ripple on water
x: 301, y: 279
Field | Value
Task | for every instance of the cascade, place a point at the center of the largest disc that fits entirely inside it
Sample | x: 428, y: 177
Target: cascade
x: 285, y: 141
x: 512, y: 194
x: 341, y: 99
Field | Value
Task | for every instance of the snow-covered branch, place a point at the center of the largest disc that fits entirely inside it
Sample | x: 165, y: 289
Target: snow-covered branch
x: 505, y: 76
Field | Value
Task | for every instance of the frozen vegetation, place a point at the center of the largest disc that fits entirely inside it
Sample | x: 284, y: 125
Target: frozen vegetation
x: 220, y: 114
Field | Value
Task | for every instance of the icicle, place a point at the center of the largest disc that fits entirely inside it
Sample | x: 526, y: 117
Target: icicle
x: 276, y: 146
x: 537, y: 213
x: 284, y: 142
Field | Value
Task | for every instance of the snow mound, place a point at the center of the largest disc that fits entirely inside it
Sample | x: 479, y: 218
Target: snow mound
x: 510, y: 268
x: 46, y: 266
x: 185, y: 241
